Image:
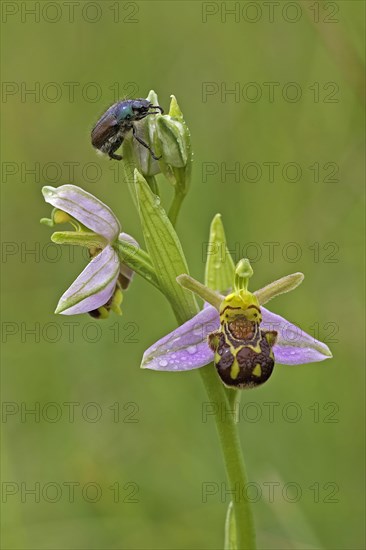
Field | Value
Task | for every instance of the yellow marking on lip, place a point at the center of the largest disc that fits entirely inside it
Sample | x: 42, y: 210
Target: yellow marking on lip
x: 234, y: 371
x: 257, y: 371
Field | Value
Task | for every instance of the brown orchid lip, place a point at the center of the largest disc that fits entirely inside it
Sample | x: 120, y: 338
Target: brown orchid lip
x: 240, y: 328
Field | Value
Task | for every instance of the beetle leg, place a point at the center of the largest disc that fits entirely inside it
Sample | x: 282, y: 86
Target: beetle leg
x: 115, y: 157
x: 144, y: 144
x: 113, y: 147
x: 157, y: 107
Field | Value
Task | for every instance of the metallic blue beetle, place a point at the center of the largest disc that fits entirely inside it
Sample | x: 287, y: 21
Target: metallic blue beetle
x: 111, y: 129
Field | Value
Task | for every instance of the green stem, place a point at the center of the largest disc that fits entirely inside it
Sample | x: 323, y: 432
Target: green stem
x: 176, y: 206
x: 233, y: 458
x: 153, y: 184
x: 230, y: 445
x: 233, y: 397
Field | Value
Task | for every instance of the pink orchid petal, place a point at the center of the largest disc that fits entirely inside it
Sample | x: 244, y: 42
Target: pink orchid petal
x: 85, y: 208
x: 294, y: 346
x: 186, y: 347
x: 93, y: 287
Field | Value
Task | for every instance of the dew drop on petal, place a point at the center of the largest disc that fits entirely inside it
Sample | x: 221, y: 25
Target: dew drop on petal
x: 163, y: 363
x: 191, y: 349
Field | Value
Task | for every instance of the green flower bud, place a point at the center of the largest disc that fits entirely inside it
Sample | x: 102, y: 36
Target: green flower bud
x: 174, y: 144
x: 142, y: 157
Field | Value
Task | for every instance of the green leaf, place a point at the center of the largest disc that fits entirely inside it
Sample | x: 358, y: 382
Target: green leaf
x: 164, y: 249
x: 230, y: 529
x: 220, y: 268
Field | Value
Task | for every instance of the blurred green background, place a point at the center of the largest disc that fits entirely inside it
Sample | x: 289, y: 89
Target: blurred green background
x: 143, y: 431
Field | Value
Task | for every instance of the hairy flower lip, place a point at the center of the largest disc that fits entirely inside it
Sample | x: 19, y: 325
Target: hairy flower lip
x: 186, y: 348
x: 175, y: 350
x: 84, y: 207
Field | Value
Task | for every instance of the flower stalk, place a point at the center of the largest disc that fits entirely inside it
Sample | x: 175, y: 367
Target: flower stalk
x: 233, y: 458
x: 176, y: 205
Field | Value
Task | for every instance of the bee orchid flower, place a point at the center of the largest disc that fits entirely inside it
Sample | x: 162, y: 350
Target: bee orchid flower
x: 98, y: 288
x: 243, y: 339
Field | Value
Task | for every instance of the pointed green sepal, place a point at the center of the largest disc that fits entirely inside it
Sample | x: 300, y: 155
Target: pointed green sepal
x: 220, y: 268
x: 153, y: 97
x: 174, y: 109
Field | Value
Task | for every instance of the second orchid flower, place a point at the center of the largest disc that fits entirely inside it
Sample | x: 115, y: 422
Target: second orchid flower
x: 98, y: 288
